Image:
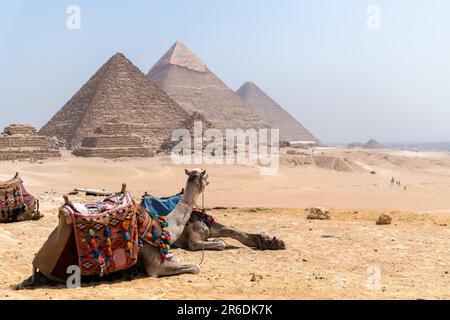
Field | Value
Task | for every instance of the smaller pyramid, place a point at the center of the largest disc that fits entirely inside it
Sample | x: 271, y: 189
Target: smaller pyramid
x: 168, y: 145
x: 107, y: 143
x: 272, y: 113
x: 20, y: 141
x: 372, y: 144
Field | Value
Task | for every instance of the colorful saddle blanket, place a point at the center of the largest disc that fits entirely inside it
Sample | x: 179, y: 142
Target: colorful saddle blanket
x: 15, y: 200
x: 106, y: 234
x: 152, y: 222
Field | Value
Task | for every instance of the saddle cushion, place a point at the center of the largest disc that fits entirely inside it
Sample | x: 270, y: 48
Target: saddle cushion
x: 160, y: 206
x: 152, y: 224
x: 107, y: 237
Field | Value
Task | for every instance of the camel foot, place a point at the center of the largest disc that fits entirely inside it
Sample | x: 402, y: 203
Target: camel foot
x: 191, y: 268
x: 26, y: 284
x: 36, y: 280
x: 38, y: 215
x: 230, y: 246
x: 175, y: 270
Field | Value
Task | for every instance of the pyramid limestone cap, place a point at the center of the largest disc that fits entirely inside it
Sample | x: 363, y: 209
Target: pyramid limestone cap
x: 249, y: 84
x: 180, y: 55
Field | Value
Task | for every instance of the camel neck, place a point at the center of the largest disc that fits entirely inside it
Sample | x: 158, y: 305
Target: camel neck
x: 191, y: 194
x: 182, y: 212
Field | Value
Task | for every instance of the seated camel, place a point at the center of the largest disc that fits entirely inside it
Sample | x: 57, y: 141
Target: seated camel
x: 49, y: 266
x: 202, y: 227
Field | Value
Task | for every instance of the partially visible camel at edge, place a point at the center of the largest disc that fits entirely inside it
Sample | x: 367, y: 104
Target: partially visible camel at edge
x: 28, y: 213
x: 149, y: 255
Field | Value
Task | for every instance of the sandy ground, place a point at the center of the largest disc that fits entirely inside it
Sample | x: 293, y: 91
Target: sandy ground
x: 337, y: 258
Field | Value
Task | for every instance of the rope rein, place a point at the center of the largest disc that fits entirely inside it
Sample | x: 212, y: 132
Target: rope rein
x: 203, y: 224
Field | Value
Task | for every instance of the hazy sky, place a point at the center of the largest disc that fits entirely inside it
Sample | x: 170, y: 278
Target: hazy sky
x: 318, y: 59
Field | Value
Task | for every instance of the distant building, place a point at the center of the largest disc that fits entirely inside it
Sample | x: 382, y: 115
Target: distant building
x: 371, y: 144
x: 303, y: 144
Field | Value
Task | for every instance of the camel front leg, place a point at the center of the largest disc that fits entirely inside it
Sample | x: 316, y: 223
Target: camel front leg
x: 258, y: 241
x: 217, y: 230
x: 216, y: 245
x: 173, y: 269
x: 157, y: 268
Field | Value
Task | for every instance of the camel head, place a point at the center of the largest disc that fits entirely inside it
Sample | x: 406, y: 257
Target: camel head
x: 199, y: 177
x: 266, y: 242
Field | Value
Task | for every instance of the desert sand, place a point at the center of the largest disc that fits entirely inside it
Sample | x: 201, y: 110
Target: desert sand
x: 325, y: 259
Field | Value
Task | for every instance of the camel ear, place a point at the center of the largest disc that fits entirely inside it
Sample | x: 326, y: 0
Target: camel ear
x: 188, y: 173
x: 202, y: 174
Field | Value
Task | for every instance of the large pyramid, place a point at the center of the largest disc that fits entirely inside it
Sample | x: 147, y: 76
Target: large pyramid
x: 118, y: 100
x: 189, y: 82
x: 274, y: 114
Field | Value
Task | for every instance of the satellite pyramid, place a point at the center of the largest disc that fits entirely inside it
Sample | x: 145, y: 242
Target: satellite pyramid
x: 189, y: 82
x: 20, y: 141
x: 189, y: 125
x: 272, y: 113
x: 119, y: 100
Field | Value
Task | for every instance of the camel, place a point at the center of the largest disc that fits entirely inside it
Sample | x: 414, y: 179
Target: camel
x: 149, y: 255
x: 177, y: 219
x: 28, y: 209
x: 196, y: 234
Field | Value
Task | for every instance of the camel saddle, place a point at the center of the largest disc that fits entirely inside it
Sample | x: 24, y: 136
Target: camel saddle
x: 15, y: 200
x: 106, y: 234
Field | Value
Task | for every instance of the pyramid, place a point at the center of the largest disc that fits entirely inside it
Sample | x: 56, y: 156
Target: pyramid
x: 372, y: 144
x: 271, y: 112
x: 20, y: 141
x: 188, y: 124
x: 119, y: 100
x: 189, y: 82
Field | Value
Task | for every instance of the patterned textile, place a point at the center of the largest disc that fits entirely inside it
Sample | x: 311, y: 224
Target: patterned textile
x: 15, y: 200
x: 207, y: 218
x: 153, y: 227
x: 106, y: 234
x: 153, y: 230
